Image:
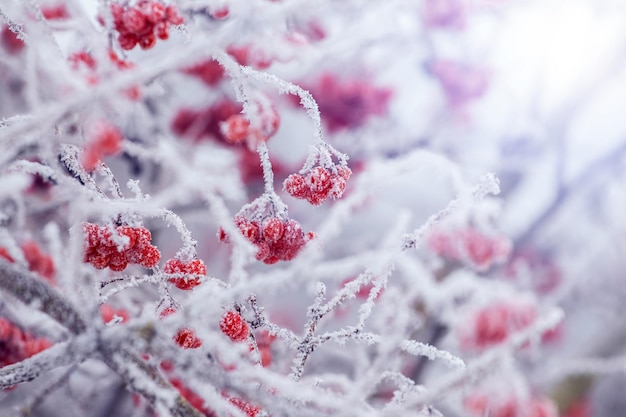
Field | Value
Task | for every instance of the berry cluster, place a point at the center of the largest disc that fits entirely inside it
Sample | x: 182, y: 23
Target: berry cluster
x: 237, y: 128
x: 105, y: 140
x: 192, y: 270
x: 493, y: 324
x: 234, y: 326
x: 347, y: 103
x: 471, y: 246
x: 276, y: 239
x: 101, y: 250
x: 144, y: 23
x: 17, y: 345
x: 38, y: 261
x: 318, y: 184
x: 187, y: 339
x: 482, y: 404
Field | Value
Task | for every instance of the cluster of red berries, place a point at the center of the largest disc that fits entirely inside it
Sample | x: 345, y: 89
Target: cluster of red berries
x: 482, y: 404
x: 276, y: 239
x: 84, y: 63
x: 144, y: 23
x: 471, y: 246
x: 234, y: 326
x: 318, y: 184
x: 493, y: 324
x: 38, y: 261
x: 237, y: 128
x: 105, y: 140
x: 101, y: 250
x: 17, y: 345
x: 193, y: 272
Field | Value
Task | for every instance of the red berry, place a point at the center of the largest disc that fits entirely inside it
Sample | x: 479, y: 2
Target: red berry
x: 209, y: 71
x: 221, y: 13
x: 234, y: 326
x: 173, y: 16
x: 338, y: 186
x: 296, y: 186
x: 151, y: 257
x: 127, y: 41
x: 236, y: 128
x: 167, y: 312
x: 153, y: 11
x: 11, y: 43
x: 195, y: 267
x: 273, y: 229
x: 187, y: 339
x: 318, y: 179
x: 263, y: 251
x: 222, y: 236
x: 134, y: 20
x: 250, y: 230
x: 147, y: 41
x: 162, y: 30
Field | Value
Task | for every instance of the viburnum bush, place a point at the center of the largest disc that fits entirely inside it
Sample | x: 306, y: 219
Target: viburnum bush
x: 311, y: 208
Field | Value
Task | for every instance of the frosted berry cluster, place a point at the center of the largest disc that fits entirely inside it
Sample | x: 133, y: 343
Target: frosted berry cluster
x: 482, y: 404
x: 471, y: 246
x: 17, y: 345
x: 143, y: 24
x: 276, y: 239
x: 193, y: 272
x: 493, y: 324
x: 104, y: 140
x: 234, y: 326
x: 101, y: 250
x: 237, y: 128
x: 319, y: 184
x: 38, y: 261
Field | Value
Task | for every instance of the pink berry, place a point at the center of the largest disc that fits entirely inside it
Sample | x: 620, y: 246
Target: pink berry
x: 236, y: 128
x: 187, y: 339
x: 173, y: 16
x: 194, y: 267
x: 273, y: 229
x: 134, y: 20
x: 295, y: 185
x: 234, y: 326
x: 147, y: 41
x: 162, y: 30
x: 127, y: 41
x: 250, y: 230
x: 153, y: 11
x: 318, y: 179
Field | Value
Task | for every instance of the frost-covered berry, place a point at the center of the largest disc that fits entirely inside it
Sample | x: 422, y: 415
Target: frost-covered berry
x: 134, y: 20
x: 193, y: 271
x: 187, y: 339
x: 250, y: 230
x: 296, y: 186
x: 318, y: 179
x: 273, y: 229
x: 236, y: 128
x: 234, y: 326
x: 173, y: 16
